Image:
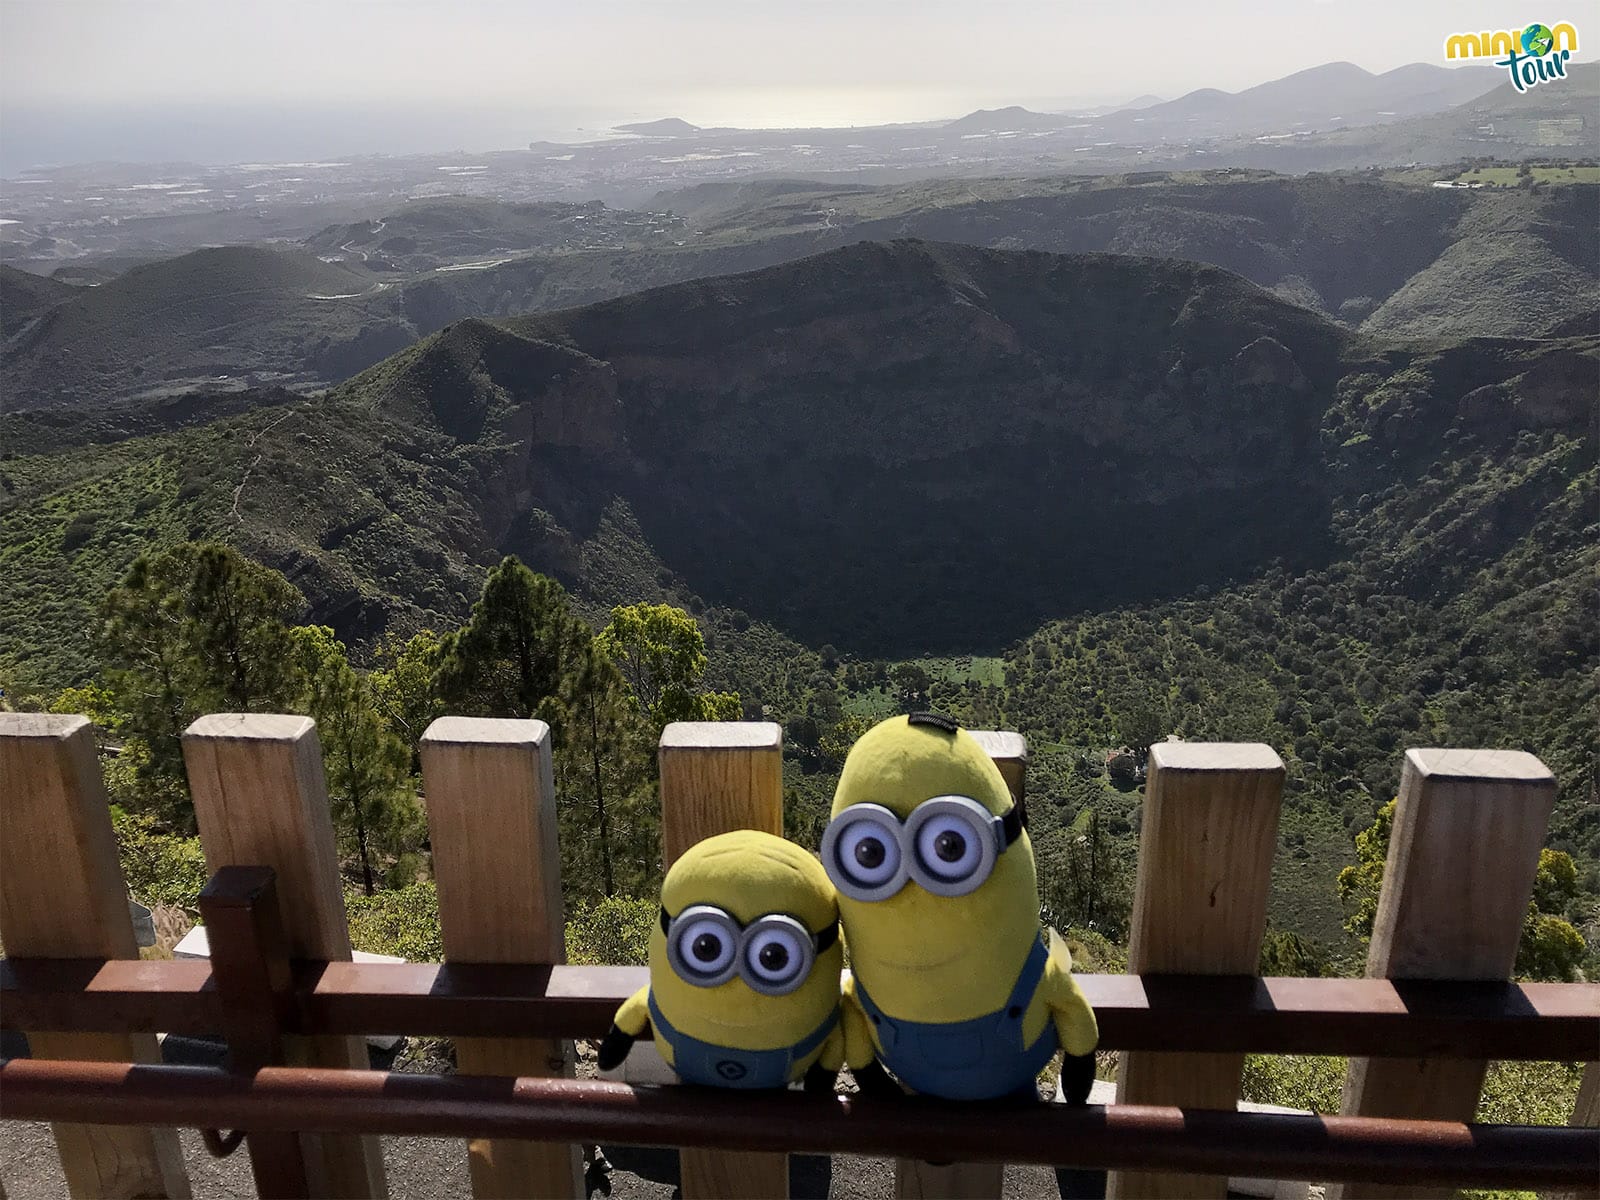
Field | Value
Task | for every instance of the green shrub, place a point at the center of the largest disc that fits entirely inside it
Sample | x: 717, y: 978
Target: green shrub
x: 160, y: 868
x: 403, y: 921
x: 614, y: 931
x: 1308, y: 1081
x: 1530, y: 1093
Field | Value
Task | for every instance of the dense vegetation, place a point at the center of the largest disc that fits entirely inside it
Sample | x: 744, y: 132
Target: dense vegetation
x: 1339, y: 546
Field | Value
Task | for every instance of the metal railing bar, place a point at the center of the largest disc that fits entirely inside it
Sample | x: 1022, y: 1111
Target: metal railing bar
x: 1531, y: 1021
x: 1152, y: 1138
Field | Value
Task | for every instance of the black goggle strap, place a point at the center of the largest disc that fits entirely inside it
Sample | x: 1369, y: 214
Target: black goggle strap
x: 821, y: 941
x: 1013, y: 823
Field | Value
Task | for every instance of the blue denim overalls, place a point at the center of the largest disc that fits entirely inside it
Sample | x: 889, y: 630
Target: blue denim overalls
x: 723, y: 1066
x: 980, y: 1059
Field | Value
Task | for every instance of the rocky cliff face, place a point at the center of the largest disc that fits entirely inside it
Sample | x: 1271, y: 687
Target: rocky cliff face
x: 908, y: 446
x: 820, y: 442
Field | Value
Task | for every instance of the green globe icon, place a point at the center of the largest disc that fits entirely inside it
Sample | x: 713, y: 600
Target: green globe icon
x: 1537, y: 40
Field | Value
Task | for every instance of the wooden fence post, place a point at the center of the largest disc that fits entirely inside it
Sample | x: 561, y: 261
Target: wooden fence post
x: 1462, y: 856
x: 913, y: 1178
x: 62, y: 895
x: 261, y: 801
x: 492, y: 822
x: 1210, y: 828
x: 718, y: 776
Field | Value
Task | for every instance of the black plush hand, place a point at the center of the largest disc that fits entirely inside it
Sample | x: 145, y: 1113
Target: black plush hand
x: 1077, y: 1077
x: 614, y: 1049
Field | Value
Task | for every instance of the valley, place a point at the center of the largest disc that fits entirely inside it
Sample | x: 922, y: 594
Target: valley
x: 1162, y: 495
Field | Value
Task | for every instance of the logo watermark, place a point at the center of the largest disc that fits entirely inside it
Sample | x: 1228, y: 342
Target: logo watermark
x: 1535, y: 54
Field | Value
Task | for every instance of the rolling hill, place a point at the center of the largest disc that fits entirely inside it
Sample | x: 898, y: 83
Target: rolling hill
x: 24, y: 296
x: 1399, y: 257
x: 236, y: 311
x: 454, y: 229
x: 1517, y: 266
x: 995, y: 120
x: 1342, y: 244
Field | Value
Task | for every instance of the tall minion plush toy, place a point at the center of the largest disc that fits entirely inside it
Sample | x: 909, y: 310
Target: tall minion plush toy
x: 964, y: 995
x: 744, y: 970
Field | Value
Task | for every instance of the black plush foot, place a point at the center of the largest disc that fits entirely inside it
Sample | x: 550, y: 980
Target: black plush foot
x: 614, y: 1049
x: 876, y: 1083
x: 1077, y: 1077
x: 820, y: 1081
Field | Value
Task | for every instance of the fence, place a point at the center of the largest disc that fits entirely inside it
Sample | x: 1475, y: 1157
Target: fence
x: 282, y: 989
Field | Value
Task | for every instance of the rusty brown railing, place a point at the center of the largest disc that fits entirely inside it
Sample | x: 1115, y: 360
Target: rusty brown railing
x: 281, y: 1100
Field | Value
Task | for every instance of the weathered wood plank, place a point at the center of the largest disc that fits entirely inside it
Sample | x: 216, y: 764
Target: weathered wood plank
x: 1462, y: 856
x: 718, y: 776
x: 492, y: 824
x: 62, y: 894
x: 261, y: 801
x: 1200, y: 907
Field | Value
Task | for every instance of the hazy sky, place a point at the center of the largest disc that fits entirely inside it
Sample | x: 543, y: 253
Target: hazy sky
x: 157, y: 78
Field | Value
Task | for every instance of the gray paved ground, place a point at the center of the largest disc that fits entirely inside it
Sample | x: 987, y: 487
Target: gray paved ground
x: 436, y: 1169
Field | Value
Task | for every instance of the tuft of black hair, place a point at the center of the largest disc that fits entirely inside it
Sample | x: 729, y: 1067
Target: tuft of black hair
x: 933, y: 720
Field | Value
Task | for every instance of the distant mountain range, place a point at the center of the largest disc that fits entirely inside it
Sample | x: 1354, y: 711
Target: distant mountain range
x: 1319, y: 97
x: 1333, y: 94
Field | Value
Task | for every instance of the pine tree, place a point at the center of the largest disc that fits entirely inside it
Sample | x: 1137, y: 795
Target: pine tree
x: 512, y: 656
x: 604, y: 763
x: 239, y: 612
x: 525, y: 653
x: 661, y: 653
x: 369, y: 784
x: 406, y: 688
x: 198, y: 628
x: 153, y: 676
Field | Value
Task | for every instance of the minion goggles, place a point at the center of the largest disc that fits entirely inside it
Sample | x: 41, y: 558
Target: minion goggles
x: 949, y: 846
x: 774, y: 954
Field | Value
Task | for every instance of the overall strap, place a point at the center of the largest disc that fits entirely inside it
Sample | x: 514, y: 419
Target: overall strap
x: 816, y: 1037
x: 867, y: 1005
x: 1032, y: 972
x: 659, y: 1020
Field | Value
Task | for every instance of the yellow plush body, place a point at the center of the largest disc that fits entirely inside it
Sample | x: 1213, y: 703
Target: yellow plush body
x: 939, y: 962
x: 748, y: 875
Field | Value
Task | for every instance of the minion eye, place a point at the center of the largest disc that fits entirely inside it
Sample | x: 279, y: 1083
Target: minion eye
x: 948, y: 849
x: 869, y: 853
x: 861, y: 851
x: 776, y: 957
x: 705, y: 949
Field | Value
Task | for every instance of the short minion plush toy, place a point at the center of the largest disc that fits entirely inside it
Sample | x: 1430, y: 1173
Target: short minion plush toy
x: 965, y: 996
x: 744, y: 970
